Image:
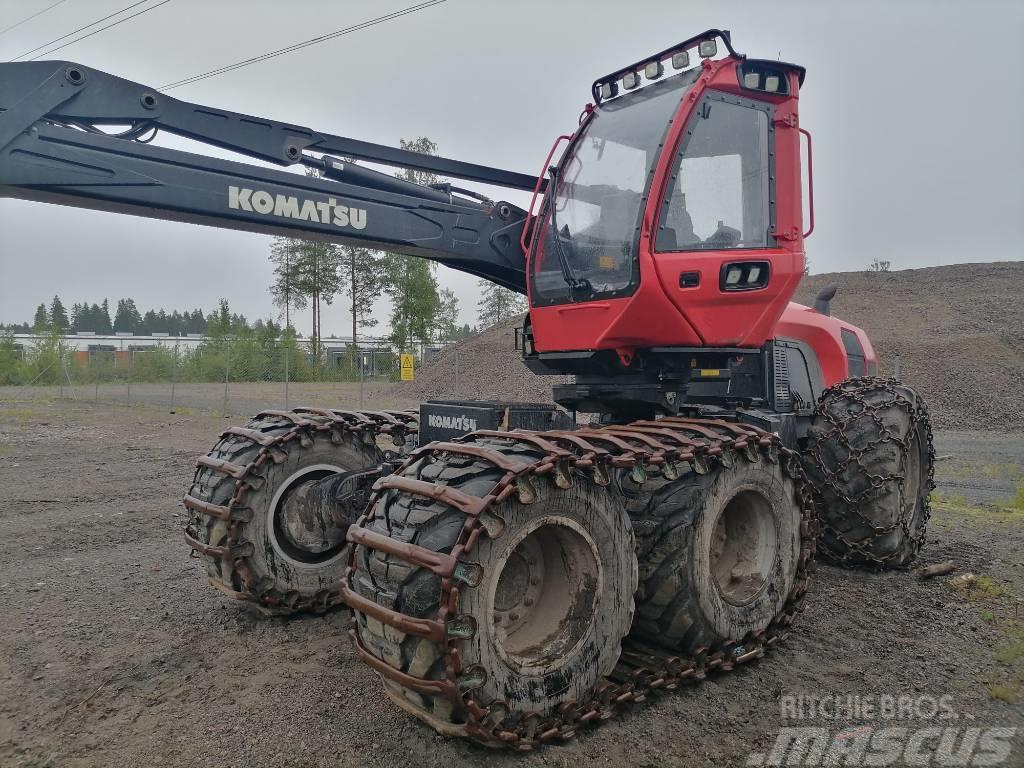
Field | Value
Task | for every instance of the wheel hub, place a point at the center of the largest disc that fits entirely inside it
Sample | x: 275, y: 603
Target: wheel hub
x: 303, y: 528
x: 546, y: 594
x: 744, y: 547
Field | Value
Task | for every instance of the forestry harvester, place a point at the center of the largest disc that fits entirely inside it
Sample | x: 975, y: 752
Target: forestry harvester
x: 513, y: 576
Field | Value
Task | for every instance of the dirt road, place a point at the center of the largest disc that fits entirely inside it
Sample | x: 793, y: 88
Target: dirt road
x: 115, y: 652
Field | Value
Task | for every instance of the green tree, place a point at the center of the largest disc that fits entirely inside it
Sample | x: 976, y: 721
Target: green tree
x: 415, y: 302
x: 446, y: 321
x: 58, y: 315
x: 103, y: 323
x: 42, y: 319
x: 362, y: 275
x: 306, y: 273
x: 127, y: 318
x: 497, y: 304
x: 409, y: 282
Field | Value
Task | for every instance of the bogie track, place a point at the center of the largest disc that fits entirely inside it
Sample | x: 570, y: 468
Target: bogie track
x: 421, y: 551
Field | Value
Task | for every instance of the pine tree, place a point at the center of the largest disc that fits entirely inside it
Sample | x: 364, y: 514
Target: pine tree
x: 42, y: 319
x: 497, y: 304
x: 103, y: 323
x: 58, y: 316
x: 122, y: 318
x: 306, y: 273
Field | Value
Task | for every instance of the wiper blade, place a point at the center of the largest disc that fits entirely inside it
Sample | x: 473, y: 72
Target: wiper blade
x: 575, y: 283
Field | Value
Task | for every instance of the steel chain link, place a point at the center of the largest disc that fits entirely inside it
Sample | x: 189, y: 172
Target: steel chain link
x: 852, y: 390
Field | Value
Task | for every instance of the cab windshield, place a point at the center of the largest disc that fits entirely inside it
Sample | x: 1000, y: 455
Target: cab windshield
x: 597, y: 195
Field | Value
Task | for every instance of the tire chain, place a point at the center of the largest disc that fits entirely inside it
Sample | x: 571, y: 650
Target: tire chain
x: 640, y: 447
x: 917, y: 411
x: 367, y: 425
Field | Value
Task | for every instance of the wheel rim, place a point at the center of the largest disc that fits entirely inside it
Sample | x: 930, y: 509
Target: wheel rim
x: 544, y: 599
x: 744, y: 547
x: 298, y: 540
x: 912, y: 479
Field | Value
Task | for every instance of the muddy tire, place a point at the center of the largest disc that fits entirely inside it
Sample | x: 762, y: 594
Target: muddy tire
x: 869, y: 459
x: 282, y: 567
x: 719, y: 553
x: 553, y: 603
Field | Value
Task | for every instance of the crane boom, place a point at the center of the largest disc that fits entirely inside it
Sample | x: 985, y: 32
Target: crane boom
x: 52, y: 149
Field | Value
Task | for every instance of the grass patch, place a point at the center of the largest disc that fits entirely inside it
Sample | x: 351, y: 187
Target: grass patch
x: 1002, y: 692
x: 979, y: 588
x: 960, y: 469
x: 1010, y: 656
x: 1016, y: 502
x: 955, y: 510
x: 1013, y: 654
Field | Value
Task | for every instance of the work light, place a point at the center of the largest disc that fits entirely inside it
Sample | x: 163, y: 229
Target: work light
x: 680, y: 60
x: 653, y: 70
x: 707, y: 48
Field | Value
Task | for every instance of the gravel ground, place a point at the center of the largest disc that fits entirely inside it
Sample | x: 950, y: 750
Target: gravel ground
x: 957, y: 333
x: 114, y: 651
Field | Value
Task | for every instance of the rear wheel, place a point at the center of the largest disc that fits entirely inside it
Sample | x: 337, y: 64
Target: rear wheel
x: 552, y: 603
x: 869, y: 459
x: 259, y: 543
x: 719, y: 553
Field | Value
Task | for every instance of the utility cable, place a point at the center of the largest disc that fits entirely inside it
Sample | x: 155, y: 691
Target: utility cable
x: 37, y: 13
x: 298, y: 46
x: 69, y: 34
x: 101, y: 29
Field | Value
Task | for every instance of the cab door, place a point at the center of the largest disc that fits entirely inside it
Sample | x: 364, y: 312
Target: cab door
x: 716, y: 245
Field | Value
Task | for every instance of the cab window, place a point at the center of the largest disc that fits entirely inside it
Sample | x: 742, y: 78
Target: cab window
x: 720, y: 188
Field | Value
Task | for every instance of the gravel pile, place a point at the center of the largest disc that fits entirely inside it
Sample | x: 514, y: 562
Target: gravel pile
x: 957, y: 332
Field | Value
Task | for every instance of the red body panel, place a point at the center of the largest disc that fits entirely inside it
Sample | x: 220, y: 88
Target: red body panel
x: 823, y: 334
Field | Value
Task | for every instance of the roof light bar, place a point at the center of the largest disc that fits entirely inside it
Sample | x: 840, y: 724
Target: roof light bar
x: 653, y: 67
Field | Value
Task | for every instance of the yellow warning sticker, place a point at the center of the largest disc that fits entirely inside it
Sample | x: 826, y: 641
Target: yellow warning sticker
x: 407, y: 374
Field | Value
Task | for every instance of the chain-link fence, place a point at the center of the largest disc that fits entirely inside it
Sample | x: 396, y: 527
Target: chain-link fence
x: 228, y: 376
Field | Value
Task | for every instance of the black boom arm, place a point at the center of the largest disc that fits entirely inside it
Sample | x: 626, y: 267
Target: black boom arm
x: 53, y: 150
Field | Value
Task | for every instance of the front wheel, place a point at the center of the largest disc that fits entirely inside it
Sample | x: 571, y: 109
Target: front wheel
x: 870, y: 461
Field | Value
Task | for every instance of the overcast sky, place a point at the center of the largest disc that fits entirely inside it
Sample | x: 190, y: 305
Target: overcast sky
x: 915, y: 107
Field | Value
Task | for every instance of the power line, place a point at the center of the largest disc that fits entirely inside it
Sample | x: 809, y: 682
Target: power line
x: 76, y: 31
x: 97, y: 31
x: 297, y: 46
x: 37, y: 13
